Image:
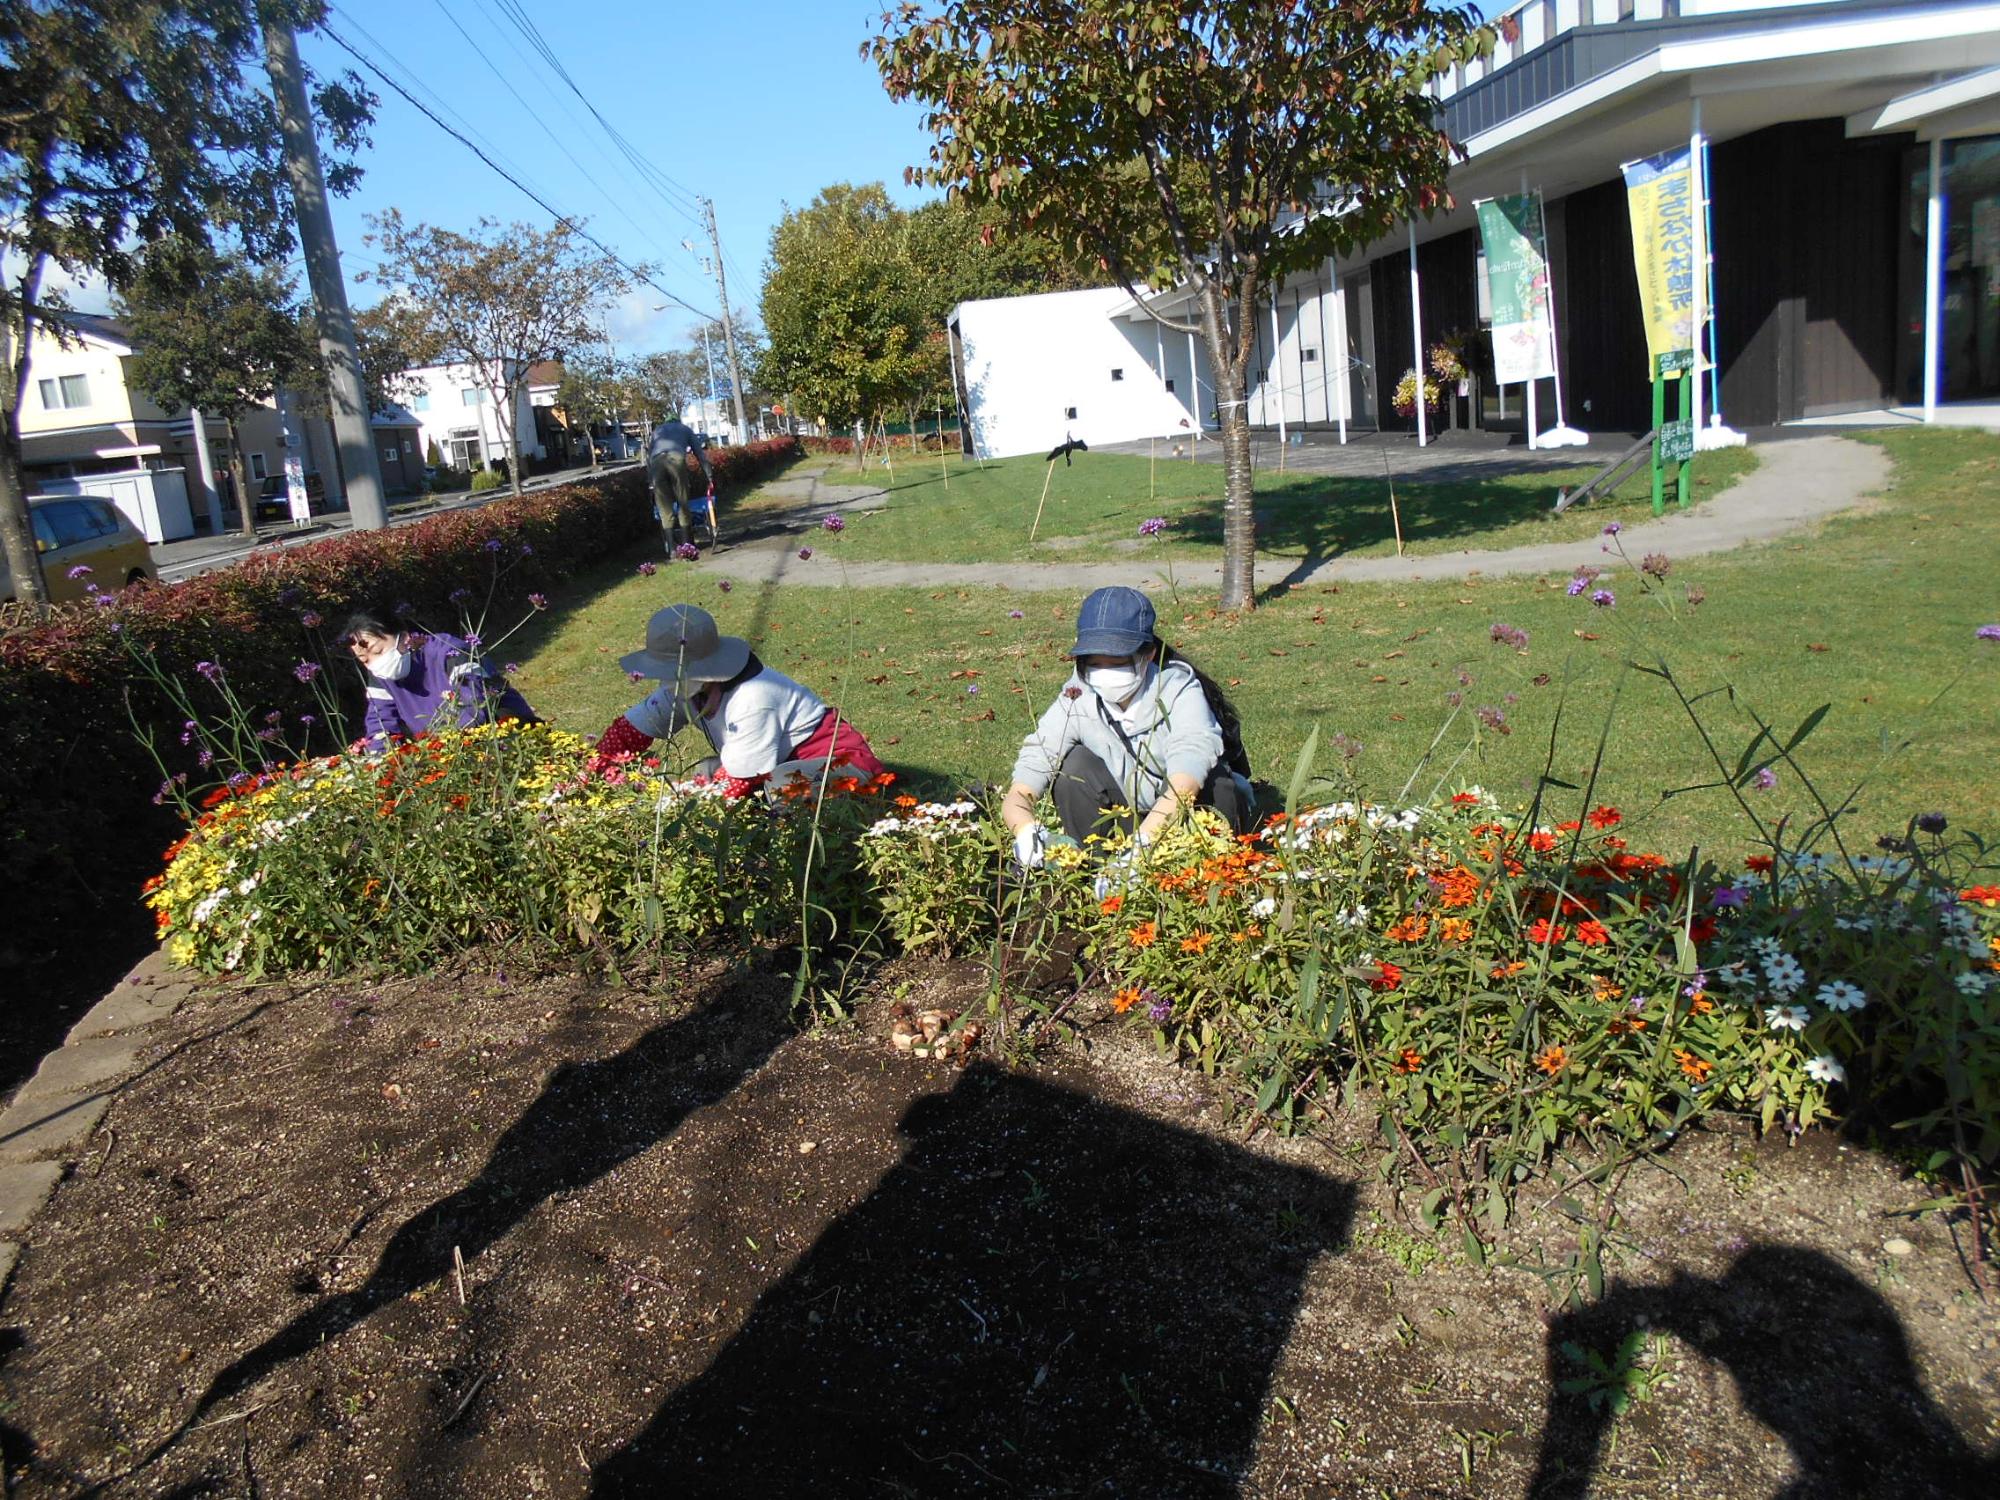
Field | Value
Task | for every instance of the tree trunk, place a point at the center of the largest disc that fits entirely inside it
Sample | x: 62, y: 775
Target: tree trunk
x: 590, y: 447
x: 512, y: 427
x: 17, y: 533
x: 1239, y: 516
x: 239, y: 467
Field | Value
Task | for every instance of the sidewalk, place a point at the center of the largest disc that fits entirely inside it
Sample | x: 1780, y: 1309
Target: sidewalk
x: 202, y: 554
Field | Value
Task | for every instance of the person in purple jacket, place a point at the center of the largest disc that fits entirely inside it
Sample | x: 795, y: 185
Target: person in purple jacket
x: 416, y: 682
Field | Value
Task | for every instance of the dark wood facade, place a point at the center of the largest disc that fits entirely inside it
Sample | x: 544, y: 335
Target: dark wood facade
x: 1809, y: 285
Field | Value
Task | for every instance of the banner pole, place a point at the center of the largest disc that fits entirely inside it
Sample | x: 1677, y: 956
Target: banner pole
x: 1417, y: 330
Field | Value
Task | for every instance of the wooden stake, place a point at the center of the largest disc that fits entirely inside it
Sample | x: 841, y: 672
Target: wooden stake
x: 943, y: 467
x: 1150, y: 461
x: 888, y: 449
x: 1041, y: 502
x: 458, y: 1272
x: 1395, y: 516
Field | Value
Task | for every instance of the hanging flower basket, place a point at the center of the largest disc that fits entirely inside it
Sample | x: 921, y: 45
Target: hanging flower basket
x: 1405, y: 399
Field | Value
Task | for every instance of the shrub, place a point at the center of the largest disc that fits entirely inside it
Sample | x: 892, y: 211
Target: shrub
x: 484, y: 480
x: 77, y: 830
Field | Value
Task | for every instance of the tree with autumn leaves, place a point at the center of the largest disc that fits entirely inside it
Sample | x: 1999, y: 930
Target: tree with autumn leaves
x: 1215, y: 146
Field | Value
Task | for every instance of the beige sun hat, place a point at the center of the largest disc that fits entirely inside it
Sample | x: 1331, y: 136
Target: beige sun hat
x: 683, y: 644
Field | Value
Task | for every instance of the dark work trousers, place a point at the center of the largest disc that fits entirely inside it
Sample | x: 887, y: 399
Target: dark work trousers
x: 1085, y: 791
x: 669, y: 474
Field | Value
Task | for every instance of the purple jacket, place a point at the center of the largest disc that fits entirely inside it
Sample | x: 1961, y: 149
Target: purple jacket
x: 446, y: 684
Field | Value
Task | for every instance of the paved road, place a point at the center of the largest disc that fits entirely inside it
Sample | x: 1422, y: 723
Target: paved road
x: 203, y: 554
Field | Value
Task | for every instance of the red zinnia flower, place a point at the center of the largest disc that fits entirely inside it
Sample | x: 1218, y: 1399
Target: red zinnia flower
x: 1545, y: 931
x: 1387, y: 977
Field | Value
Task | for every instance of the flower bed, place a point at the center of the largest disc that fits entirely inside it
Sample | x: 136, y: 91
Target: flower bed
x: 74, y: 785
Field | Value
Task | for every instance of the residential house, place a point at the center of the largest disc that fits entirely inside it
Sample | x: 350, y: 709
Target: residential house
x: 459, y: 411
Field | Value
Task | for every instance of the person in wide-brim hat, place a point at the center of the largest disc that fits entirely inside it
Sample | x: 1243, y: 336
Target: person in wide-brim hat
x: 762, y: 726
x: 1136, y: 737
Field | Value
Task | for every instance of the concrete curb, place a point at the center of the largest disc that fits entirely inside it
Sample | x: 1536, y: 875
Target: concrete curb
x: 43, y: 1132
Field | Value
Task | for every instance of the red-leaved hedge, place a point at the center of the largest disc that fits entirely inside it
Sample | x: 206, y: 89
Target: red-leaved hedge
x: 79, y: 829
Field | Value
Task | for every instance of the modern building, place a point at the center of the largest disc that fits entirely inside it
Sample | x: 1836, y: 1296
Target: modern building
x: 1852, y: 150
x: 460, y: 411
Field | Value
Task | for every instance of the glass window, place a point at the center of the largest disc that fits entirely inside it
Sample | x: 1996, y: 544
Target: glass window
x: 1117, y: 374
x: 51, y: 395
x: 45, y: 531
x: 472, y: 395
x: 69, y: 522
x: 257, y: 466
x: 76, y: 390
x: 101, y: 516
x: 421, y: 401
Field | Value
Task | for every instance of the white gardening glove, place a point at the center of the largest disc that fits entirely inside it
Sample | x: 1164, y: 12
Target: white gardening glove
x: 1031, y: 844
x: 1122, y: 869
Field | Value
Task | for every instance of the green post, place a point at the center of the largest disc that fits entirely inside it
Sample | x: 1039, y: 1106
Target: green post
x: 1673, y: 442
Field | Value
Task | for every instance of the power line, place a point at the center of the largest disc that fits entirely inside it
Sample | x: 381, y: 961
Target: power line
x: 561, y: 218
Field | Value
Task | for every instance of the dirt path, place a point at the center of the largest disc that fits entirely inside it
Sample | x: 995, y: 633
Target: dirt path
x: 1797, y: 483
x: 705, y: 1254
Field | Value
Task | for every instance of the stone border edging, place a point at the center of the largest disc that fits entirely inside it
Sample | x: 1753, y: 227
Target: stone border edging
x: 44, y: 1129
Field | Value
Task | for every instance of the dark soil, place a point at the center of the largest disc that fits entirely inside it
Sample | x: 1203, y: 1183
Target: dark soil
x: 704, y: 1254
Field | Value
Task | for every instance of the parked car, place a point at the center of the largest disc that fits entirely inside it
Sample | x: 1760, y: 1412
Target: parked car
x: 83, y: 530
x: 274, y: 500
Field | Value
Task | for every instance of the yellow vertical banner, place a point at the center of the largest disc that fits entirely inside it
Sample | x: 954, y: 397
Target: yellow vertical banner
x: 1667, y: 249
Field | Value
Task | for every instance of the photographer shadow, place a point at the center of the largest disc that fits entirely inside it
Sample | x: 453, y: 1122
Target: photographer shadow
x: 1048, y: 1294
x: 1816, y: 1356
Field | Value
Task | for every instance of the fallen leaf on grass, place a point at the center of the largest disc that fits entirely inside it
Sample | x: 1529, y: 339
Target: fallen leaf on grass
x: 1276, y: 652
x: 1586, y: 635
x: 1540, y: 679
x: 984, y: 718
x: 876, y: 681
x: 1378, y: 678
x: 1817, y: 646
x: 1394, y: 654
x: 1234, y: 682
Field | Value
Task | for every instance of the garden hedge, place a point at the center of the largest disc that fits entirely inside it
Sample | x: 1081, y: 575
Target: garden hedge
x: 79, y: 827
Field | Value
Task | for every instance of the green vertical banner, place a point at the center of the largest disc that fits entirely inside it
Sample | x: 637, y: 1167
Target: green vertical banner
x: 1517, y: 287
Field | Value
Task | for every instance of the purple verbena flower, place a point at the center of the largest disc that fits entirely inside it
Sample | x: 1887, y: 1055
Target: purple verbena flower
x: 1509, y: 635
x: 647, y: 570
x: 526, y: 550
x: 510, y: 669
x: 724, y: 584
x: 306, y: 671
x: 210, y: 670
x: 1656, y: 565
x: 972, y: 690
x: 805, y: 554
x: 1603, y: 598
x: 1988, y: 633
x: 493, y: 544
x: 308, y: 720
x: 833, y: 523
x: 1152, y: 526
x: 472, y: 639
x: 310, y: 619
x: 205, y: 759
x: 1158, y: 1009
x: 81, y: 570
x: 1765, y: 780
x: 1612, y: 528
x: 1729, y: 896
x: 538, y: 601
x: 1015, y: 614
x: 636, y: 676
x: 1931, y: 822
x: 688, y: 552
x: 1577, y: 585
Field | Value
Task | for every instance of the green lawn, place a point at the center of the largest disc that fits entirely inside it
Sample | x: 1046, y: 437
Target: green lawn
x: 1094, y: 509
x: 1874, y: 614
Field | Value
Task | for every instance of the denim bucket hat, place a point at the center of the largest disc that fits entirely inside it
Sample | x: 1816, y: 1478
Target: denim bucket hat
x: 1113, y: 622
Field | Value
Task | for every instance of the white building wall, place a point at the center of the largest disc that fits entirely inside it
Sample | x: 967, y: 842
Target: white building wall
x: 1305, y: 379
x: 1030, y: 361
x: 435, y: 395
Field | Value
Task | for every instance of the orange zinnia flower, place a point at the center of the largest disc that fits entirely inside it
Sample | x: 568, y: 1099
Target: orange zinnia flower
x: 906, y: 800
x: 1545, y: 931
x: 1409, y: 1062
x: 1110, y: 905
x: 1541, y: 843
x: 1606, y: 817
x: 1592, y: 934
x: 1143, y: 935
x: 1125, y: 999
x: 1506, y: 971
x: 1553, y: 1061
x: 1409, y: 929
x: 1454, y: 930
x: 1981, y: 895
x: 1694, y: 1067
x: 1457, y: 886
x: 1604, y: 989
x: 1252, y: 931
x: 1198, y: 943
x: 1701, y: 1005
x: 1620, y: 1025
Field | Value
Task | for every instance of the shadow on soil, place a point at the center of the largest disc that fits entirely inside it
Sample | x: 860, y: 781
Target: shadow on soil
x: 1048, y: 1294
x: 589, y: 1118
x: 1816, y: 1356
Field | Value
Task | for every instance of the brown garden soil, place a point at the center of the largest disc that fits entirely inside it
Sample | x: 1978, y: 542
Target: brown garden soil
x: 704, y: 1253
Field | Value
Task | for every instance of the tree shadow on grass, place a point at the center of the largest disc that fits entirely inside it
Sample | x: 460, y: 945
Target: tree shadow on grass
x: 1817, y: 1356
x: 1048, y: 1294
x: 590, y: 1117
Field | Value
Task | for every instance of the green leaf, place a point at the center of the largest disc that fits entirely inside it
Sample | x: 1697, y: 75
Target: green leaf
x: 1301, y: 773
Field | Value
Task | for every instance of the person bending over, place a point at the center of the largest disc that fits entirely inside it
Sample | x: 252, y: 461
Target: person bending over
x: 667, y: 453
x: 416, y: 682
x: 762, y: 725
x: 1132, y: 741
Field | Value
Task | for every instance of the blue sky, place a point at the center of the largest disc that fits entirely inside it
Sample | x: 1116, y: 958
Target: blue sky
x: 755, y: 106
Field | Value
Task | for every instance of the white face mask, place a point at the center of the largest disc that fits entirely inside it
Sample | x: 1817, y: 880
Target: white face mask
x: 1113, y: 684
x: 390, y: 666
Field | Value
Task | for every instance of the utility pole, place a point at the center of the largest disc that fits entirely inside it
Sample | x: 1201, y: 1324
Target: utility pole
x: 728, y: 327
x: 348, y: 398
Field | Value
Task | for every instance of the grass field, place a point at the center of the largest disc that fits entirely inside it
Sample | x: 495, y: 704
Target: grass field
x: 1874, y: 615
x: 1094, y: 509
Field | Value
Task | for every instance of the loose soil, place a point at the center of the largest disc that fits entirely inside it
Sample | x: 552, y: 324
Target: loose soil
x: 491, y: 1234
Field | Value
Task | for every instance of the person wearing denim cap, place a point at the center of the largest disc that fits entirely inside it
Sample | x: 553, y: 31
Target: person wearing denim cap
x: 1135, y: 738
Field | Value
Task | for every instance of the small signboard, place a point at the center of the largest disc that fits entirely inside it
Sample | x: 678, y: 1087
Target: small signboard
x: 1676, y: 362
x: 1676, y: 442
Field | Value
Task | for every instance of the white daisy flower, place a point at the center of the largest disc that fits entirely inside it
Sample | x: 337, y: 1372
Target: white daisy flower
x: 1972, y: 982
x: 1787, y: 1018
x: 1826, y: 1069
x: 1264, y: 907
x: 1784, y: 974
x: 1840, y: 995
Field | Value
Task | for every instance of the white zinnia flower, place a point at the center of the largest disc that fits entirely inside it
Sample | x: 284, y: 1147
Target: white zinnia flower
x: 1972, y: 982
x: 1265, y: 907
x: 1787, y: 1017
x: 1840, y: 995
x: 1826, y: 1069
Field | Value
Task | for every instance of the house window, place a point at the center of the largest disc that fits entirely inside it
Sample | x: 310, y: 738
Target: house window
x: 421, y: 401
x: 257, y: 466
x: 1262, y: 374
x: 1308, y: 356
x: 1069, y: 413
x: 65, y: 392
x: 472, y: 395
x: 1117, y: 374
x: 390, y: 454
x: 1170, y: 385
